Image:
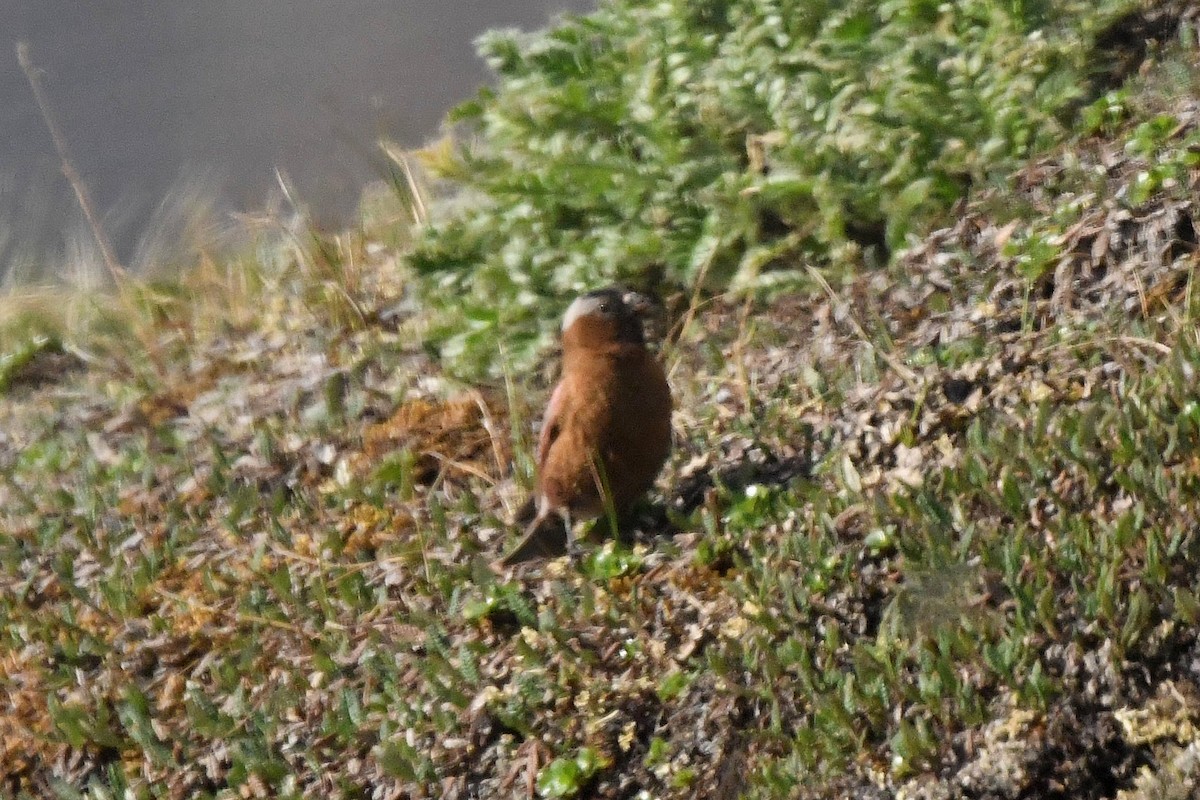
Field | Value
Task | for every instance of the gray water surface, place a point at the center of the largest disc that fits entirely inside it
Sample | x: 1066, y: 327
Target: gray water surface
x: 184, y: 101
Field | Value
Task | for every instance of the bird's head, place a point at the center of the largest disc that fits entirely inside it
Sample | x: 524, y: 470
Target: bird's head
x: 602, y: 317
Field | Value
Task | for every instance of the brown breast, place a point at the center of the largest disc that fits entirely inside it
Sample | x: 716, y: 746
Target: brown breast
x: 615, y: 425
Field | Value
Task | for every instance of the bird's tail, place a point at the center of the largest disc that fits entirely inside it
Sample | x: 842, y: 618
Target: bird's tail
x: 546, y: 537
x: 527, y: 511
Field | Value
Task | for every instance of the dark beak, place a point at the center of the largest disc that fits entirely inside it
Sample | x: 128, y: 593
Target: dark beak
x: 639, y: 303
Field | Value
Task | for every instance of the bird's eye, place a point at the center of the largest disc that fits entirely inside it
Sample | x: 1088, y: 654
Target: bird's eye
x: 604, y: 308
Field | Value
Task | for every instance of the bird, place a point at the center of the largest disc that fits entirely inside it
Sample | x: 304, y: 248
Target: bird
x: 606, y: 432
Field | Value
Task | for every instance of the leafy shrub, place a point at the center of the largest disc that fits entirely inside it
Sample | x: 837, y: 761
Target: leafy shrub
x: 711, y: 141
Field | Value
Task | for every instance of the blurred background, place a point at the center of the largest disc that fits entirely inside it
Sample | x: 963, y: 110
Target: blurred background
x: 177, y: 111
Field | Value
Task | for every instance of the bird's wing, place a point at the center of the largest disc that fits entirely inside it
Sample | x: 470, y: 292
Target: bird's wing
x: 550, y: 427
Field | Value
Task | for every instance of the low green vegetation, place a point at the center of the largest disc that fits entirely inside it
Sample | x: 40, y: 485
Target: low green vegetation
x: 733, y: 143
x: 931, y: 525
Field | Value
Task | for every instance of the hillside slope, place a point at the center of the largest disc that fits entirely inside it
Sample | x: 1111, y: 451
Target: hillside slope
x: 931, y: 529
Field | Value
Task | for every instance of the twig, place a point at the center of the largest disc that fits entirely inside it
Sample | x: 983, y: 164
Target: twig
x: 462, y: 466
x: 489, y: 426
x: 906, y: 374
x: 115, y: 269
x: 239, y: 616
x: 739, y: 354
x: 119, y: 274
x: 417, y: 208
x: 1132, y: 341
